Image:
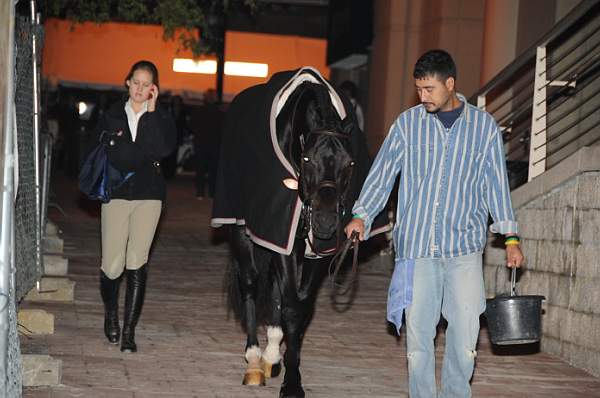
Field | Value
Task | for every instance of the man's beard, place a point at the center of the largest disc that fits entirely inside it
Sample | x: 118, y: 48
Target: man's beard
x: 430, y: 107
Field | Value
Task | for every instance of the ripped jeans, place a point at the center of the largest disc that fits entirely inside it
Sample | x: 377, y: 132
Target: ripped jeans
x: 454, y: 287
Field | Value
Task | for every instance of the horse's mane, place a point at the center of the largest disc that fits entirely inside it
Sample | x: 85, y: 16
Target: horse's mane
x: 307, y: 109
x: 329, y: 116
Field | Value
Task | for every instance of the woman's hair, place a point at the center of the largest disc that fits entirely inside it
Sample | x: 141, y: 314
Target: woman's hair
x: 148, y: 67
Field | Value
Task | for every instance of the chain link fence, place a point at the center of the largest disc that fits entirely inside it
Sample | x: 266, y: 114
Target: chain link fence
x: 27, y: 220
x: 10, y: 355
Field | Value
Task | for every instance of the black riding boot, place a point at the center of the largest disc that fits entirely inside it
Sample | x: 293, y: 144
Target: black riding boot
x: 109, y: 289
x: 134, y: 300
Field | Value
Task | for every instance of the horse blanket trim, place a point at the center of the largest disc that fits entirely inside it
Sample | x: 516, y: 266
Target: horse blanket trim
x: 225, y: 210
x: 281, y: 97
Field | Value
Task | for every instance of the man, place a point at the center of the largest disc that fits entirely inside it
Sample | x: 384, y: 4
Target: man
x: 452, y: 176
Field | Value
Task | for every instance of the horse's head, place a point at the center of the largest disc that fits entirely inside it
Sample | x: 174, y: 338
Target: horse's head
x: 321, y: 152
x: 324, y: 180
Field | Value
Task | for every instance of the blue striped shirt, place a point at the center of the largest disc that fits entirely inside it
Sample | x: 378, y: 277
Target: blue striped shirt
x: 451, y: 180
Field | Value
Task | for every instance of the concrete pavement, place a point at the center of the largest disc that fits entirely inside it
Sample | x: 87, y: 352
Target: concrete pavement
x: 190, y: 347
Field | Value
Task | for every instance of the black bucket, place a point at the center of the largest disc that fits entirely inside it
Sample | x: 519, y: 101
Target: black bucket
x: 514, y: 319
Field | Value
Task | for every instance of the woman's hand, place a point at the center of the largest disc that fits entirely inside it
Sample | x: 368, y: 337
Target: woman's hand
x: 152, y: 98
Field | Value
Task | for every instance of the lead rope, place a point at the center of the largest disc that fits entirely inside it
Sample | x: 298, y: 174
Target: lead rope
x: 336, y: 264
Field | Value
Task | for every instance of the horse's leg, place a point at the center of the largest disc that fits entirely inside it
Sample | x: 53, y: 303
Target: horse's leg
x: 271, y: 358
x: 243, y: 251
x: 314, y: 273
x: 286, y: 270
x: 296, y: 315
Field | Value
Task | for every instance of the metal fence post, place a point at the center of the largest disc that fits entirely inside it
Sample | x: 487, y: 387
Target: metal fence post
x: 45, y: 187
x: 36, y: 135
x: 481, y: 102
x: 537, y: 149
x: 10, y: 355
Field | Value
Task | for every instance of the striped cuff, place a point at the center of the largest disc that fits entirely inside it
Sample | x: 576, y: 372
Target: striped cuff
x: 505, y: 227
x: 360, y: 212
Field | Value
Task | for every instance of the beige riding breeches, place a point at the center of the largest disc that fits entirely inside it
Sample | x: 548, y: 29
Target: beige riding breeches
x: 128, y: 228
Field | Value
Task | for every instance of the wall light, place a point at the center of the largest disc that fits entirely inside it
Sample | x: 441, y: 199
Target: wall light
x: 82, y: 107
x: 190, y: 66
x: 247, y: 69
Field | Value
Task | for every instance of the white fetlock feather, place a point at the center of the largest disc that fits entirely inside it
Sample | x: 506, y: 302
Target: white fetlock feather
x: 253, y: 354
x: 274, y: 336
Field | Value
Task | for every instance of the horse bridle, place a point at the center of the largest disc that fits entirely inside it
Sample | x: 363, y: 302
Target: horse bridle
x: 307, y: 203
x: 341, y: 251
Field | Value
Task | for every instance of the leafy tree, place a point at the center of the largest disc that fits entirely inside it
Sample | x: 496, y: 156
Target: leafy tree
x: 199, y: 24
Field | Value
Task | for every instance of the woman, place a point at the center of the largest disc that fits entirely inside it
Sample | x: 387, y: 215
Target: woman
x: 140, y: 135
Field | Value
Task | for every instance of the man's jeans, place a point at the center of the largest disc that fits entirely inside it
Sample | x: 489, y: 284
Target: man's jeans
x: 454, y: 286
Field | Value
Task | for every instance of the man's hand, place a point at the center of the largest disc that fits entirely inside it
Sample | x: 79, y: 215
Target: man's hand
x: 357, y: 224
x: 514, y: 256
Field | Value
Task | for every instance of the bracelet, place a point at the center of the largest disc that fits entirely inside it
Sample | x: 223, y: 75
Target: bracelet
x: 356, y: 216
x: 512, y: 240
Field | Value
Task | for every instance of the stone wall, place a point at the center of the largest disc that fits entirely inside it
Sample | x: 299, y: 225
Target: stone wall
x: 561, y: 241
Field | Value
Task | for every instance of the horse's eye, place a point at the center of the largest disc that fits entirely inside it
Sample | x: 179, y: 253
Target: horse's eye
x: 352, y: 163
x: 306, y: 159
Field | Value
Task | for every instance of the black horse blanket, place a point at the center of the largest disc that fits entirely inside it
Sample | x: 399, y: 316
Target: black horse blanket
x: 250, y: 189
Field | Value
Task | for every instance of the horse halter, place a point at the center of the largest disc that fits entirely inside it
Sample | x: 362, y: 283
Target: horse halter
x: 307, y: 203
x: 324, y: 183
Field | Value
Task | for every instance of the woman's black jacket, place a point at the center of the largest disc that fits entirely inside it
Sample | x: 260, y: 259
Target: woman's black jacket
x: 156, y: 138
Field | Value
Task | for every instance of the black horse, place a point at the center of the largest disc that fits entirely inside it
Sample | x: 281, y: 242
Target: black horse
x: 290, y: 172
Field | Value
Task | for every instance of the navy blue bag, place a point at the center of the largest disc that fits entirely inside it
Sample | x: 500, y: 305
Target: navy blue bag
x: 97, y: 178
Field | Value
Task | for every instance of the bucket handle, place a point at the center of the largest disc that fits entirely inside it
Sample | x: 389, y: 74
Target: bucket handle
x: 513, y: 282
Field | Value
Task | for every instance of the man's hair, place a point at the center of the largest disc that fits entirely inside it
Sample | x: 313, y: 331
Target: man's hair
x: 435, y: 63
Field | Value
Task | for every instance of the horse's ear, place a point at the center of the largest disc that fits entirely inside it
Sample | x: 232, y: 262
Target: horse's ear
x: 347, y: 125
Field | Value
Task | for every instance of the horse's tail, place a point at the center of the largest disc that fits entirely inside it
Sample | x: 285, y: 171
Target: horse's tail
x: 231, y: 286
x: 263, y: 283
x: 264, y: 296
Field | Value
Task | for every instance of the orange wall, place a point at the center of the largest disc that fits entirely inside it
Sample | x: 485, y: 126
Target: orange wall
x: 102, y: 54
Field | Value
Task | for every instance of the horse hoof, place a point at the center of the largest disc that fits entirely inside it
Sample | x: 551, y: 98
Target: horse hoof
x: 275, y: 369
x: 286, y: 392
x: 254, y: 377
x: 271, y: 369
